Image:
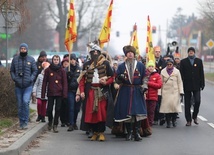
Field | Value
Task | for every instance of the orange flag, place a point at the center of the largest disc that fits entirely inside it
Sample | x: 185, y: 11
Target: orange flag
x: 71, y: 29
x: 134, y: 40
x: 149, y: 45
x: 106, y: 29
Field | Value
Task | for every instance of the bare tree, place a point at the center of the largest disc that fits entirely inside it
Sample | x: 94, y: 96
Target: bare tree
x: 39, y: 29
x: 89, y: 14
x: 17, y: 6
x: 206, y: 11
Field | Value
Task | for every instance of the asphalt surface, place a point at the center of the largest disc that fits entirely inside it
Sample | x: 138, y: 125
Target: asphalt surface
x: 28, y: 136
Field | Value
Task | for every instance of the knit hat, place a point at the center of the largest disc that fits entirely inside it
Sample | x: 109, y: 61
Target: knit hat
x: 65, y: 59
x: 42, y: 54
x: 73, y: 56
x: 23, y: 45
x: 45, y: 65
x: 129, y: 48
x: 170, y: 60
x: 150, y: 63
x: 191, y: 49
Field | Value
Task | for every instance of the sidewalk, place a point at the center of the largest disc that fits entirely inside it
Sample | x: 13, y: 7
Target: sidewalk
x: 16, y: 141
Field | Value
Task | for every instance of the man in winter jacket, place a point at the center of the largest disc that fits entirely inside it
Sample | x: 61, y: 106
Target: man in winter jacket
x: 74, y: 107
x: 23, y: 72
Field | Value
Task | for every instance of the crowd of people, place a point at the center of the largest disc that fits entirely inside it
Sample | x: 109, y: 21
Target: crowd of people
x: 129, y: 97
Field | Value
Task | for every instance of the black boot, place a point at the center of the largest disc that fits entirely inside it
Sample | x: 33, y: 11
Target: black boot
x: 49, y: 126
x: 129, y: 131
x: 137, y: 136
x: 174, y: 117
x: 43, y: 118
x: 38, y: 118
x: 168, y: 125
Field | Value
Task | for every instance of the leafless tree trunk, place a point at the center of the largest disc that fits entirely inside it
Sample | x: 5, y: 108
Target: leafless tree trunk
x: 89, y: 14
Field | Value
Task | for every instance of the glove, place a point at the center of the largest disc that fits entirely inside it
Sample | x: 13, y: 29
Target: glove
x: 202, y: 87
x: 143, y: 90
x: 182, y: 97
x: 121, y: 77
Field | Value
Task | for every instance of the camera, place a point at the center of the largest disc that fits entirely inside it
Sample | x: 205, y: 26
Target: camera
x: 21, y: 74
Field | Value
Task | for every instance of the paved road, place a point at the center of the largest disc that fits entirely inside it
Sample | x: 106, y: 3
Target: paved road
x: 182, y: 140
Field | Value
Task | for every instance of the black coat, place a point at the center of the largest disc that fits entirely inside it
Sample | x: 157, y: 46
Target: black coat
x: 192, y: 75
x: 161, y: 64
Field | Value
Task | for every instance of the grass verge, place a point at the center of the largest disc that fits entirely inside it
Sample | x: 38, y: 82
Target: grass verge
x: 9, y: 122
x: 209, y: 76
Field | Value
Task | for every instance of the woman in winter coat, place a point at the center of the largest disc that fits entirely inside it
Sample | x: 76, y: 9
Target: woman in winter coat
x: 171, y: 92
x: 37, y: 89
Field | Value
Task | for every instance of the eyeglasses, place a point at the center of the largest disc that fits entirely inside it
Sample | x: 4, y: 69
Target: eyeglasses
x: 169, y: 64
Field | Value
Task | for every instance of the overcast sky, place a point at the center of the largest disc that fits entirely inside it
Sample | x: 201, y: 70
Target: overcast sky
x: 127, y: 12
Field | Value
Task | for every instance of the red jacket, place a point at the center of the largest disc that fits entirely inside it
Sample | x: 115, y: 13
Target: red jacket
x: 56, y: 81
x: 154, y: 83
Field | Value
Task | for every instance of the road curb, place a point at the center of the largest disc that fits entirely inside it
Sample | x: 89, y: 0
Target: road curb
x: 21, y: 144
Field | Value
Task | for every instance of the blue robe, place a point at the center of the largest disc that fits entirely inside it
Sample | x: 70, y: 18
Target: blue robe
x: 130, y: 100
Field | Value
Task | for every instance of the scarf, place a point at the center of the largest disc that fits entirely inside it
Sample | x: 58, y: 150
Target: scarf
x: 191, y: 59
x: 169, y: 70
x: 55, y: 67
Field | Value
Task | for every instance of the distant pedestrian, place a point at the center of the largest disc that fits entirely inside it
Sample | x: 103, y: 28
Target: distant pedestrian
x: 192, y: 73
x: 159, y: 65
x: 23, y: 72
x: 42, y: 58
x: 64, y: 112
x: 1, y: 64
x: 37, y: 90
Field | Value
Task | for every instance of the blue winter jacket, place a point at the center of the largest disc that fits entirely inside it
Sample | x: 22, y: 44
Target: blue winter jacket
x: 23, y: 71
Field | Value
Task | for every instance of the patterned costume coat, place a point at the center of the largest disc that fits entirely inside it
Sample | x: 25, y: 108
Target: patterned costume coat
x: 130, y: 100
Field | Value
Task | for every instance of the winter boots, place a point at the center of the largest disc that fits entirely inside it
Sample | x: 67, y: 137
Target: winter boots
x: 38, y: 118
x: 129, y: 131
x: 55, y: 129
x: 129, y: 135
x: 70, y: 128
x: 49, y: 126
x: 137, y: 136
x: 98, y: 136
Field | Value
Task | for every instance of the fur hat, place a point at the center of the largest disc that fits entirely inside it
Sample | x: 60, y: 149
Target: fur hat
x: 23, y: 45
x: 129, y: 48
x: 191, y: 49
x: 150, y: 63
x: 45, y: 65
x: 42, y: 54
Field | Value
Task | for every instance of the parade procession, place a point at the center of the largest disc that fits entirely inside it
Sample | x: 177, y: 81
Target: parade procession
x: 87, y: 87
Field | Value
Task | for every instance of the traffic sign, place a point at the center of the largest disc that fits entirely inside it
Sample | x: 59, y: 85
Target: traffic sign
x: 210, y: 43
